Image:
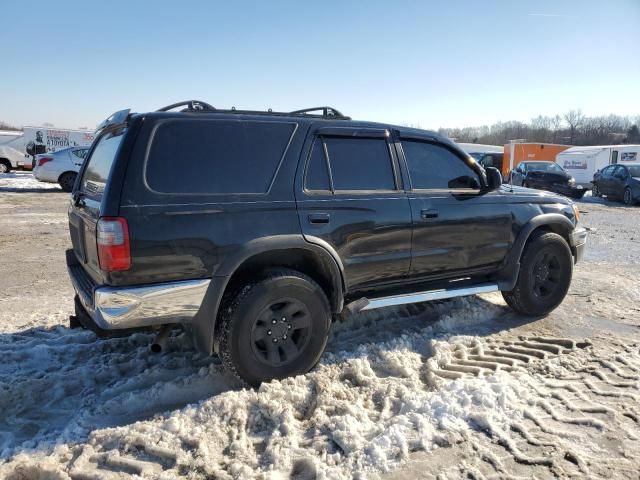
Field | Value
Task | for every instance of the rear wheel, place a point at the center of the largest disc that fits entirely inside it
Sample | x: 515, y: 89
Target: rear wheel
x: 67, y: 180
x: 5, y: 166
x: 627, y: 197
x: 275, y: 327
x: 545, y: 275
x: 595, y: 191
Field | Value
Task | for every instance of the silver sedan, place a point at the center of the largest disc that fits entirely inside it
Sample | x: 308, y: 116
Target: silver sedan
x: 60, y: 167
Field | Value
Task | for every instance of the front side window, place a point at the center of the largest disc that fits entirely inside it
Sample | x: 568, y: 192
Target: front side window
x: 620, y: 173
x: 360, y: 163
x: 434, y: 167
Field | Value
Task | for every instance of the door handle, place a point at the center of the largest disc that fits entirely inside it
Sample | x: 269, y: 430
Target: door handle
x: 430, y: 213
x: 318, y: 218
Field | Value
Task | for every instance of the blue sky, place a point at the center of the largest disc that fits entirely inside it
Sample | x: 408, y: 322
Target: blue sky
x: 430, y: 63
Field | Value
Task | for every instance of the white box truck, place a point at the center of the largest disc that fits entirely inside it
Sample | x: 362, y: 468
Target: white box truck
x: 18, y: 149
x: 583, y: 162
x: 12, y: 150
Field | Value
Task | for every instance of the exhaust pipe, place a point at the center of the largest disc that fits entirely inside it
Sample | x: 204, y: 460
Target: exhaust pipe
x: 160, y: 342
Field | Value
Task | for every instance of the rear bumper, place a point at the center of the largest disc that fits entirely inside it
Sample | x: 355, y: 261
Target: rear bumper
x: 578, y: 242
x: 114, y: 308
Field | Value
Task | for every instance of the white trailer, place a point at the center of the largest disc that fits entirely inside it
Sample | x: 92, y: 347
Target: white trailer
x: 583, y: 162
x: 17, y: 149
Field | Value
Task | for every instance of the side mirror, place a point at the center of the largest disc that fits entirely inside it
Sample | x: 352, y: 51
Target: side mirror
x: 464, y: 181
x: 494, y: 178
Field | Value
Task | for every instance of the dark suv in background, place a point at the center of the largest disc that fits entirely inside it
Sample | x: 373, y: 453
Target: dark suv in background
x: 255, y: 229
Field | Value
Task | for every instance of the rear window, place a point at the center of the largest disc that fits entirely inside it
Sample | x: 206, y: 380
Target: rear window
x: 97, y: 172
x: 216, y: 157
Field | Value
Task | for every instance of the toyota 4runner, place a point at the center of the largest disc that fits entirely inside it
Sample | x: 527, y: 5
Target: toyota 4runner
x: 254, y: 230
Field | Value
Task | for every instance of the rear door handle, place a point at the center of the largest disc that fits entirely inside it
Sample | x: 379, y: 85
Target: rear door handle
x: 430, y: 213
x: 317, y: 218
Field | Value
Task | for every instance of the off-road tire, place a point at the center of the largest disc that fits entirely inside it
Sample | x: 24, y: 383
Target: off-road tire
x: 595, y: 191
x: 238, y: 316
x: 523, y: 298
x: 67, y: 180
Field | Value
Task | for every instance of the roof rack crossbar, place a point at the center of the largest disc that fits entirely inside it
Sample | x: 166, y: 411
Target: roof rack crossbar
x: 192, y: 106
x: 326, y: 111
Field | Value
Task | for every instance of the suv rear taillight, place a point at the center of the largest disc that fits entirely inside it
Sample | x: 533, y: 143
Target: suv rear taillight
x: 43, y: 160
x: 112, y: 237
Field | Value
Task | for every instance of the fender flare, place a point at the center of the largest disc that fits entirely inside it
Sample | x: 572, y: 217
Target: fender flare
x: 204, y: 323
x: 508, y: 276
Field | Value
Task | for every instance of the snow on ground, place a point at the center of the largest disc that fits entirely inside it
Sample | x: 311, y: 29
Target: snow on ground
x: 457, y: 389
x: 24, y: 181
x: 87, y: 408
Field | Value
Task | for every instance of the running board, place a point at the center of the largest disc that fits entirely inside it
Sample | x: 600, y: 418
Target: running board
x: 364, y: 304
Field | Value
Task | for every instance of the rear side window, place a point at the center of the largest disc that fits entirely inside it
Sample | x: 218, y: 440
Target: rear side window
x: 434, y: 167
x: 360, y: 163
x: 216, y: 157
x: 96, y: 174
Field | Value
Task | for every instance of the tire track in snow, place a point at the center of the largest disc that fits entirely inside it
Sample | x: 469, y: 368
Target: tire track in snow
x: 367, y: 409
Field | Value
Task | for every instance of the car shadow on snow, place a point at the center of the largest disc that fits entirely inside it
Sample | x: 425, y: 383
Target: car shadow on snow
x: 58, y: 385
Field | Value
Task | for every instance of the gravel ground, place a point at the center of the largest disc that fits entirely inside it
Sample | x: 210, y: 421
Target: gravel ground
x: 460, y: 389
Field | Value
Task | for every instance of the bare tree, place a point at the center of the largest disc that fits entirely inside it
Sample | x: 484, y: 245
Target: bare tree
x: 579, y: 130
x: 574, y: 119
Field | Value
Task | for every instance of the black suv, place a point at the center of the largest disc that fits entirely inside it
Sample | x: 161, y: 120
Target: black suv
x: 254, y: 230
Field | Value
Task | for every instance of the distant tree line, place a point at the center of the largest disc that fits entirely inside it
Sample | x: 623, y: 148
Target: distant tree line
x: 572, y: 128
x: 6, y: 126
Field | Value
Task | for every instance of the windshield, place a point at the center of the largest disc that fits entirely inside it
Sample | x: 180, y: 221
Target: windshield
x: 544, y: 167
x: 634, y: 170
x: 97, y: 172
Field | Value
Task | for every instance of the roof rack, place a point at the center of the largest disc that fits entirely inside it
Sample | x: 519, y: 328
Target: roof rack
x: 200, y: 106
x: 326, y: 112
x: 192, y: 106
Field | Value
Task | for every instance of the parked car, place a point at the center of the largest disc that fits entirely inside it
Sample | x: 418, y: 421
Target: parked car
x: 280, y: 223
x: 583, y: 162
x: 546, y: 176
x: 618, y: 181
x: 60, y: 167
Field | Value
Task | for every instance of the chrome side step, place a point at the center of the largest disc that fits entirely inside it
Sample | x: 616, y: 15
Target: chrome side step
x: 364, y: 304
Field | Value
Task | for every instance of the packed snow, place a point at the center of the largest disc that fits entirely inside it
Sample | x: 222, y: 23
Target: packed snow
x: 19, y: 181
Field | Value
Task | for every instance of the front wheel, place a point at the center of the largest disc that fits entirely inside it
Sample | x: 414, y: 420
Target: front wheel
x: 5, y: 167
x: 545, y: 274
x: 67, y: 180
x: 275, y: 327
x: 595, y: 191
x: 627, y: 198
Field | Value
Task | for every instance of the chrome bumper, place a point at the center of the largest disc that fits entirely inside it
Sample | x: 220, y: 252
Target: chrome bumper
x: 115, y: 308
x: 578, y: 241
